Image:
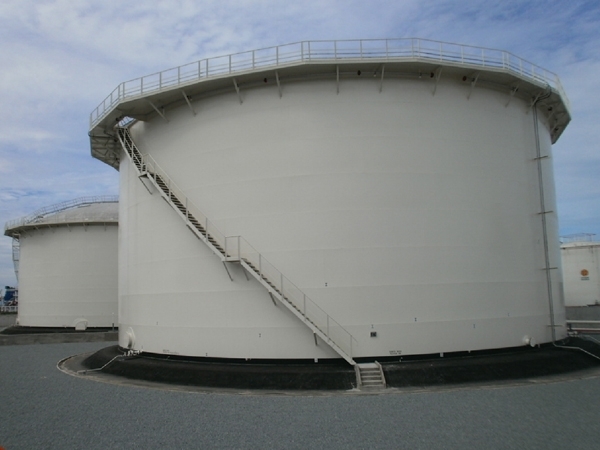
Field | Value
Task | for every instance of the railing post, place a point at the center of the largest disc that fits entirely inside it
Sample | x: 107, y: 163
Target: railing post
x: 327, y: 325
x: 520, y: 66
x: 304, y: 309
x: 277, y: 55
x: 229, y: 63
x: 281, y: 278
x: 260, y: 264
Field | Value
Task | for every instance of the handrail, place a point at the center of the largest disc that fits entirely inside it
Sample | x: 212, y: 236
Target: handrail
x: 237, y: 248
x: 325, y: 50
x: 58, y: 207
x: 578, y: 237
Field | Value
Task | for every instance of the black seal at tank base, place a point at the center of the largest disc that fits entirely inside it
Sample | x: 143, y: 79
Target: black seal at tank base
x: 498, y: 365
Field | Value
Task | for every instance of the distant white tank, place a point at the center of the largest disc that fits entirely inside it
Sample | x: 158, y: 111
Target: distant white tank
x: 581, y: 271
x: 337, y: 198
x: 67, y: 267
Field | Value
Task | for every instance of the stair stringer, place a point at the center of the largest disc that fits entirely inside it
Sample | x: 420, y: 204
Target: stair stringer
x: 147, y: 167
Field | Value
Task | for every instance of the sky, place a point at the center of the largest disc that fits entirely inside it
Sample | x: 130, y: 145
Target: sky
x: 60, y: 58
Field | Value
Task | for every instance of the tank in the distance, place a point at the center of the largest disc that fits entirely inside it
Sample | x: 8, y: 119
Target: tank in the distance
x: 67, y: 264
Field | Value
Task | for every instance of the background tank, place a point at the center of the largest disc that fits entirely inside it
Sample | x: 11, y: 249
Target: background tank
x: 403, y: 186
x: 67, y: 266
x: 581, y: 270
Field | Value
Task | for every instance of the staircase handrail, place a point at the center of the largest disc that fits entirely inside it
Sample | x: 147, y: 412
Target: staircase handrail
x: 290, y: 292
x: 237, y: 248
x: 151, y: 166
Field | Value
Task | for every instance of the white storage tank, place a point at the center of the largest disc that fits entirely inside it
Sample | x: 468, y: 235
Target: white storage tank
x: 67, y: 269
x: 356, y: 199
x: 581, y: 270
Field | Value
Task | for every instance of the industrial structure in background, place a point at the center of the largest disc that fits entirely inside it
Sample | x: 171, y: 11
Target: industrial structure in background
x: 65, y: 259
x: 580, y: 254
x: 361, y: 199
x: 9, y: 299
x: 581, y: 269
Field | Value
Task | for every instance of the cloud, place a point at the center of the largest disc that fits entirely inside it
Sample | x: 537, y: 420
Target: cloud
x: 60, y: 58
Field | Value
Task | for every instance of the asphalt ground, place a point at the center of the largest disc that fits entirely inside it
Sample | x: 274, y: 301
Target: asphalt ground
x: 7, y: 320
x: 42, y: 407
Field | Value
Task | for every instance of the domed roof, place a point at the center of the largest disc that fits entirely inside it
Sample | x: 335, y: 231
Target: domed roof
x: 81, y: 211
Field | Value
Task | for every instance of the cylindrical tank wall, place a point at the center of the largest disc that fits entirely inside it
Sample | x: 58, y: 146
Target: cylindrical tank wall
x: 581, y: 269
x: 412, y: 215
x: 68, y: 276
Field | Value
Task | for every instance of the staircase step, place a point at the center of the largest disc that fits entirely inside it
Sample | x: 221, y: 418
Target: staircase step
x: 370, y: 376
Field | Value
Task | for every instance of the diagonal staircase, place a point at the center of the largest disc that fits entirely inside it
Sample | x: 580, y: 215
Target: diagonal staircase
x: 237, y: 250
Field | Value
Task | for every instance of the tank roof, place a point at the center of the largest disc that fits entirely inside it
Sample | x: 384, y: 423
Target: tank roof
x: 580, y: 244
x: 151, y: 95
x: 81, y: 211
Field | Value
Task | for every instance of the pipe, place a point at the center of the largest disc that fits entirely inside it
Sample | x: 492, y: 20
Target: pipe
x: 128, y: 353
x: 543, y: 214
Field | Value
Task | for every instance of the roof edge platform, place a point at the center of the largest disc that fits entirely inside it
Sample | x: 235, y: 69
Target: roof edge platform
x: 151, y: 95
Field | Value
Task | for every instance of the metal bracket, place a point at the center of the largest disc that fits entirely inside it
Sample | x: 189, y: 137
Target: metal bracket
x: 513, y: 91
x: 272, y: 298
x: 382, y: 74
x: 187, y: 100
x: 237, y: 89
x: 245, y: 273
x: 147, y: 183
x: 228, y: 273
x: 534, y: 101
x: 437, y: 74
x: 473, y: 83
x: 278, y: 83
x: 160, y: 113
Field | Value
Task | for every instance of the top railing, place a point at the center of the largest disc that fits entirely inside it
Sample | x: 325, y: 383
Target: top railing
x: 320, y: 51
x: 58, y: 207
x: 577, y: 237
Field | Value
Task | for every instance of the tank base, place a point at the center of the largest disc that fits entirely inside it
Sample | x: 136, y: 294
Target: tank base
x: 425, y: 371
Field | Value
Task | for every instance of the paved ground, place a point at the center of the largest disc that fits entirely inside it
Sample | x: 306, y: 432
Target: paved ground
x: 7, y: 320
x: 41, y: 407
